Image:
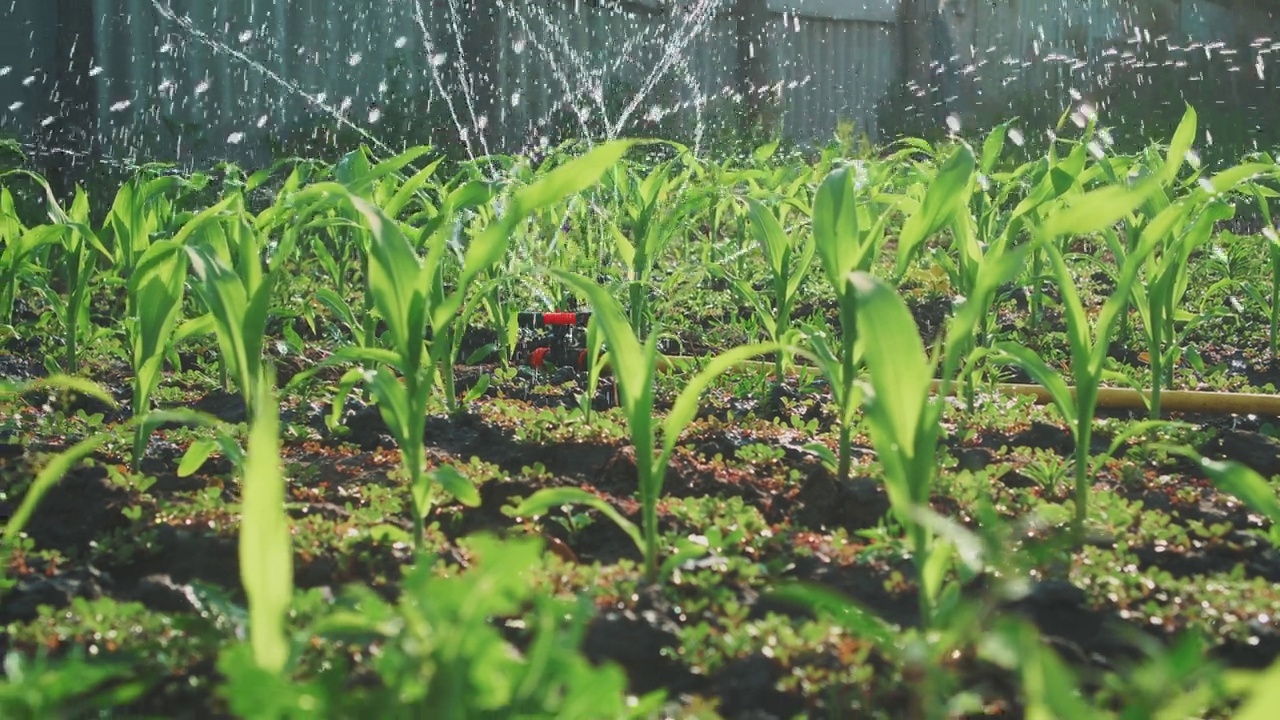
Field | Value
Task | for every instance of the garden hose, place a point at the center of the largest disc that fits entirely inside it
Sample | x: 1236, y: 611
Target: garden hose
x: 1111, y: 398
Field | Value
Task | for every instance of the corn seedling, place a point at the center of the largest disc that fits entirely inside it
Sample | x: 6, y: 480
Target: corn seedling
x: 266, y: 553
x: 634, y: 367
x: 1082, y: 214
x: 652, y: 209
x: 408, y: 295
x: 72, y: 262
x: 227, y: 264
x: 155, y: 292
x: 847, y: 238
x: 788, y: 259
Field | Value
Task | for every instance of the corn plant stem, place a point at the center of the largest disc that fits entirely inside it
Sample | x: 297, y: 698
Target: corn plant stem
x: 447, y: 378
x: 1084, y: 437
x: 140, y: 431
x: 1037, y: 267
x: 649, y: 511
x: 412, y: 452
x: 636, y: 294
x: 848, y: 339
x: 1157, y: 379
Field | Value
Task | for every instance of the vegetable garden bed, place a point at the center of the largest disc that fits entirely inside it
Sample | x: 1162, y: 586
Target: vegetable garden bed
x: 777, y: 475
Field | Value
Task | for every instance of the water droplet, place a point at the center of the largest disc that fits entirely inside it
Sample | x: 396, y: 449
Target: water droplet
x: 401, y: 42
x: 47, y: 121
x: 28, y: 81
x: 121, y: 105
x: 6, y: 70
x: 262, y: 121
x: 202, y: 87
x: 953, y: 123
x: 518, y: 45
x: 246, y: 36
x: 1016, y: 137
x: 439, y: 59
x: 321, y: 97
x: 515, y: 99
x: 345, y: 105
x: 1193, y: 158
x: 235, y: 138
x: 355, y: 59
x: 95, y: 71
x: 375, y: 115
x: 14, y: 106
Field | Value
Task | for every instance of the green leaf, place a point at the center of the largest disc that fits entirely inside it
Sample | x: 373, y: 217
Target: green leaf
x: 456, y: 484
x: 65, y: 382
x: 49, y: 475
x: 843, y: 610
x: 1183, y: 138
x: 1244, y: 483
x: 1090, y: 212
x: 894, y: 356
x: 769, y: 235
x: 266, y: 554
x: 686, y: 404
x: 1046, y: 376
x: 550, y: 498
x: 195, y: 456
x: 626, y: 355
x: 572, y: 177
x: 835, y: 227
x: 762, y: 153
x: 945, y: 195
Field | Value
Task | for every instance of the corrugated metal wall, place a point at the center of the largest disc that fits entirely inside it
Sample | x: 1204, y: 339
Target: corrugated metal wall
x: 570, y: 67
x: 28, y: 31
x: 192, y: 81
x: 833, y: 71
x: 247, y: 79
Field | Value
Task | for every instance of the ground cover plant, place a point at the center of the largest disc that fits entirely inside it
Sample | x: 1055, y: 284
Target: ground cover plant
x: 276, y: 444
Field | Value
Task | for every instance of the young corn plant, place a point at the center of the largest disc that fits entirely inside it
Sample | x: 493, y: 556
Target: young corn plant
x: 652, y: 208
x: 1082, y: 214
x: 155, y: 291
x: 265, y: 548
x: 903, y: 412
x: 227, y: 263
x: 405, y: 290
x: 788, y: 259
x: 71, y: 258
x: 72, y: 262
x: 1179, y: 230
x: 634, y: 366
x: 848, y: 238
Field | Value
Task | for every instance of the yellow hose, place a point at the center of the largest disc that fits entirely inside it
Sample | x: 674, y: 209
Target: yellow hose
x: 1190, y: 401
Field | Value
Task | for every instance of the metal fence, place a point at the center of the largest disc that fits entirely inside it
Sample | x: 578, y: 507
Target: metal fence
x: 196, y: 81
